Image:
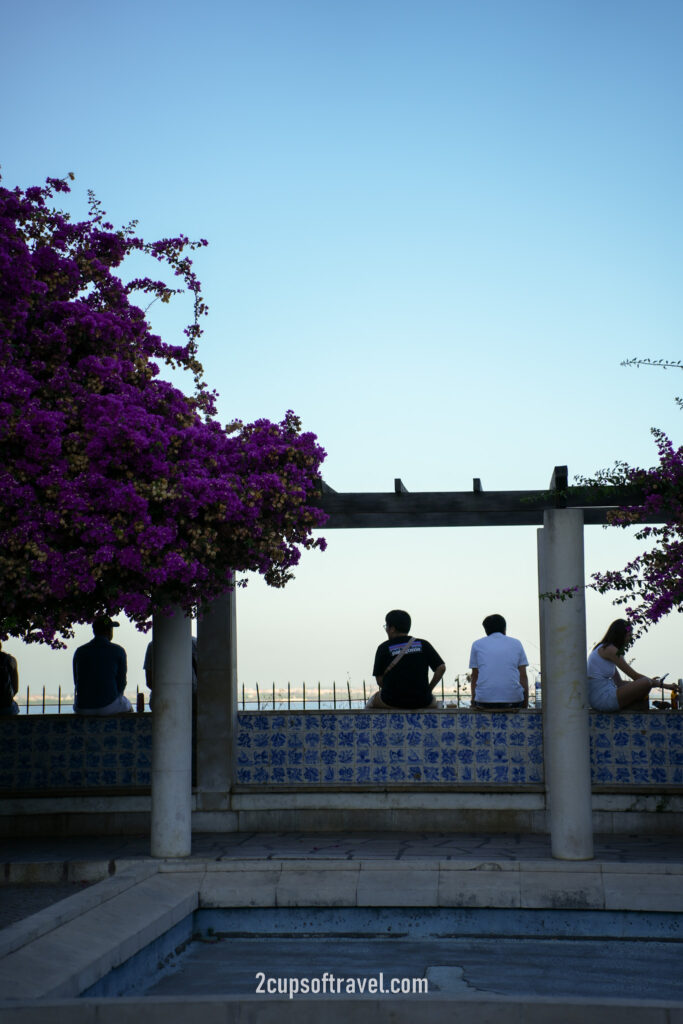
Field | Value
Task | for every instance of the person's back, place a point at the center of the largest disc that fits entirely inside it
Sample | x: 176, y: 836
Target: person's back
x: 9, y: 684
x: 402, y: 665
x: 99, y: 669
x: 498, y: 664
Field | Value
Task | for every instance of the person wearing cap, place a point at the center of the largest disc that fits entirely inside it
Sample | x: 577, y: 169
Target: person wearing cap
x: 100, y: 673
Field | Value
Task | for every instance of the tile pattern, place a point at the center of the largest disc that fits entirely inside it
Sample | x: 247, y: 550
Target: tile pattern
x: 343, y: 748
x: 67, y: 752
x: 637, y: 749
x: 358, y: 748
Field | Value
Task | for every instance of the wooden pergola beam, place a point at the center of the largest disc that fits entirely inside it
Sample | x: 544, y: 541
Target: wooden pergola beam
x: 401, y: 509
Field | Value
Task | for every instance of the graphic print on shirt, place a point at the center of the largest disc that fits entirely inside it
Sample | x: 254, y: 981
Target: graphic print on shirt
x: 415, y: 648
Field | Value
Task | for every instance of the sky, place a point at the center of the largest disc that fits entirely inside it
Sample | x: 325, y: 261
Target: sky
x: 436, y: 227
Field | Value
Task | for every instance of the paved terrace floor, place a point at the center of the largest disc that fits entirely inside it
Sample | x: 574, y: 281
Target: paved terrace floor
x: 37, y: 873
x: 348, y: 846
x: 77, y: 941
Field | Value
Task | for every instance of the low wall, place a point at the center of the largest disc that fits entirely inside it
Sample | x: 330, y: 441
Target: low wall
x: 40, y: 753
x: 343, y: 750
x: 416, y: 749
x: 634, y: 750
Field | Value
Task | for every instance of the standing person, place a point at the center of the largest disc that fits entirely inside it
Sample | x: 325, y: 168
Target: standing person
x: 9, y: 683
x: 498, y: 663
x: 607, y: 691
x: 402, y: 666
x: 99, y: 669
x: 148, y: 666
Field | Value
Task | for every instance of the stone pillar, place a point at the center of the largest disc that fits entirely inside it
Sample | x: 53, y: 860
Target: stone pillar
x: 565, y: 718
x: 542, y: 606
x: 172, y: 736
x: 216, y: 701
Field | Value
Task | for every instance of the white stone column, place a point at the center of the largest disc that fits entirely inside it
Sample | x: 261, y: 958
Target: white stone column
x: 171, y: 832
x: 542, y: 608
x: 216, y: 701
x: 543, y: 647
x: 565, y: 715
x: 542, y: 605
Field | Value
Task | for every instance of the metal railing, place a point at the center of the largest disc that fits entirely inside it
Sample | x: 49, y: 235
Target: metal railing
x: 62, y: 703
x: 260, y: 697
x: 336, y: 697
x: 274, y: 697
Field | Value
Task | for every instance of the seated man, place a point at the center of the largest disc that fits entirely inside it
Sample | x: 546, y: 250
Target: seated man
x: 148, y: 667
x: 100, y: 673
x: 402, y: 666
x: 498, y: 663
x: 9, y: 683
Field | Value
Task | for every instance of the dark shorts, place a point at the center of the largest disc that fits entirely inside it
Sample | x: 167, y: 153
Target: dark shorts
x: 377, y: 701
x: 499, y: 706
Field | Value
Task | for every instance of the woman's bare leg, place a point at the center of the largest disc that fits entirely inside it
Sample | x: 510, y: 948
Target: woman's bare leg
x: 633, y: 691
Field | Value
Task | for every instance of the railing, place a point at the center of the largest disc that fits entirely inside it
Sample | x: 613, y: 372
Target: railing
x: 299, y: 697
x: 62, y: 704
x: 267, y: 698
x: 344, y: 696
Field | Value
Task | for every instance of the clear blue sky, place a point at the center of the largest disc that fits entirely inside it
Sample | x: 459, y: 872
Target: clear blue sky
x: 436, y: 228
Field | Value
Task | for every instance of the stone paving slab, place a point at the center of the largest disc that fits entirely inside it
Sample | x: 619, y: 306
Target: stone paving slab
x: 21, y: 900
x: 67, y: 906
x: 70, y: 957
x: 76, y: 853
x: 645, y: 862
x: 431, y: 883
x: 320, y: 1010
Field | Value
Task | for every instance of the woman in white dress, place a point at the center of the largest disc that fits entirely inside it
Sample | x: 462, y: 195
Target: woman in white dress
x: 606, y: 689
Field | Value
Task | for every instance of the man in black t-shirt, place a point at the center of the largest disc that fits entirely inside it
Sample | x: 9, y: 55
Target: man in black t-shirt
x: 402, y: 666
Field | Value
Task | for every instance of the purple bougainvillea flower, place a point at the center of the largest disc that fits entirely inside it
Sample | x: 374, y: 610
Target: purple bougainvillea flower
x: 120, y: 493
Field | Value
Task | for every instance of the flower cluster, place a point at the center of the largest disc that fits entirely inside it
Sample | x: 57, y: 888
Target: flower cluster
x: 119, y: 492
x: 651, y: 585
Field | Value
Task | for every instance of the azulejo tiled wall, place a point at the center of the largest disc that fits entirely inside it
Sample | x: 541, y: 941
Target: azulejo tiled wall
x: 462, y: 748
x: 637, y: 749
x: 47, y: 752
x: 405, y: 748
x: 40, y: 754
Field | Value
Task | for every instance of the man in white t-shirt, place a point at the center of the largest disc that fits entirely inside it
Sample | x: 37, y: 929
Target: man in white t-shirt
x: 498, y: 663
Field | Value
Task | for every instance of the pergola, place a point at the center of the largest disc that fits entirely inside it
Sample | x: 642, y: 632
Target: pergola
x: 478, y: 507
x: 559, y: 513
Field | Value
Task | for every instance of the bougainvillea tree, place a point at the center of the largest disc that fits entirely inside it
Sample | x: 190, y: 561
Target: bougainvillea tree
x: 651, y: 585
x: 120, y: 493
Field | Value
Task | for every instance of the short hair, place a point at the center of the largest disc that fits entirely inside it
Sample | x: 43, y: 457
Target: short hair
x: 398, y: 619
x: 494, y: 624
x: 619, y: 634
